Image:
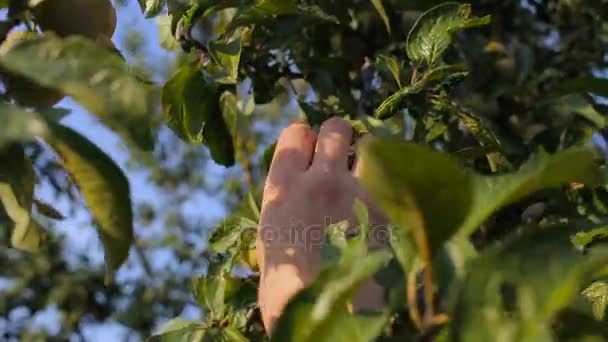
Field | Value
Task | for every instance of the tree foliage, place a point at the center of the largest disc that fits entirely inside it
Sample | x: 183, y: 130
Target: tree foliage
x: 481, y: 112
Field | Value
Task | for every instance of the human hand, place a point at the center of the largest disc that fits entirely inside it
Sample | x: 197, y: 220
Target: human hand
x: 309, y: 186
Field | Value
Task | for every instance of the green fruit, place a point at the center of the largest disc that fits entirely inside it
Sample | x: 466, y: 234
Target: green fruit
x: 22, y: 90
x: 250, y: 259
x: 89, y: 18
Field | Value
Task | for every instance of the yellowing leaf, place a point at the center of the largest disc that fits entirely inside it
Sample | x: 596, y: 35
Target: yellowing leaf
x: 16, y: 198
x: 105, y: 190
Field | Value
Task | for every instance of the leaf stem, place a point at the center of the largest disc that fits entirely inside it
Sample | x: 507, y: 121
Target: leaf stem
x: 412, y: 302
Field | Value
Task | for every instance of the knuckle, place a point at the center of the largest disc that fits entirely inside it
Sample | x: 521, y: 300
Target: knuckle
x: 336, y: 124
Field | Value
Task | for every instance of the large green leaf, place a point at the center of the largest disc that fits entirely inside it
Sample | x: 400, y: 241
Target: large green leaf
x: 16, y: 198
x: 542, y: 171
x: 105, y: 190
x: 17, y: 124
x: 95, y: 77
x: 267, y: 9
x: 432, y: 33
x: 513, y: 290
x: 192, y: 110
x: 434, y: 197
x: 428, y: 198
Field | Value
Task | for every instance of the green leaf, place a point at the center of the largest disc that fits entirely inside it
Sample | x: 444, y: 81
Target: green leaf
x: 267, y: 9
x: 583, y: 239
x: 515, y: 289
x: 393, y: 103
x: 382, y: 12
x: 427, y: 198
x: 153, y: 7
x: 19, y: 125
x: 451, y: 261
x: 542, y: 171
x: 178, y: 330
x: 392, y: 64
x: 595, y: 85
x: 230, y: 112
x: 192, y: 110
x: 95, y: 77
x: 105, y: 189
x: 214, y: 286
x: 436, y: 198
x: 227, y: 57
x: 577, y: 104
x: 597, y: 294
x: 432, y: 33
x: 16, y: 197
x: 363, y: 327
x: 165, y: 33
x: 318, y: 312
x: 232, y: 334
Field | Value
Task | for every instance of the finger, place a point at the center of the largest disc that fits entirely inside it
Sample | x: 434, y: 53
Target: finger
x: 293, y: 153
x: 333, y: 144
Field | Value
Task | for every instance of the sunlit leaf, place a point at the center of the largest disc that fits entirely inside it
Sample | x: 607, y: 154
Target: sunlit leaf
x: 392, y: 64
x: 95, y: 77
x: 583, y: 239
x: 227, y: 56
x: 165, y: 33
x: 597, y: 294
x: 104, y: 188
x: 391, y: 105
x: 19, y: 125
x: 432, y: 33
x: 153, y: 7
x: 16, y: 198
x: 382, y: 12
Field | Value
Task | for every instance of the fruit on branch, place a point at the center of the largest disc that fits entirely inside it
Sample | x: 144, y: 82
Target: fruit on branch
x: 22, y: 90
x: 249, y: 257
x: 89, y: 18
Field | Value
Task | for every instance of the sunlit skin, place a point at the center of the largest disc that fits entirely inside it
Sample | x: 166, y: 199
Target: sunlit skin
x: 309, y: 185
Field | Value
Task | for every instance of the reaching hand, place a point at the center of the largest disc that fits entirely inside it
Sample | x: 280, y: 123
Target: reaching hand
x: 309, y: 186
